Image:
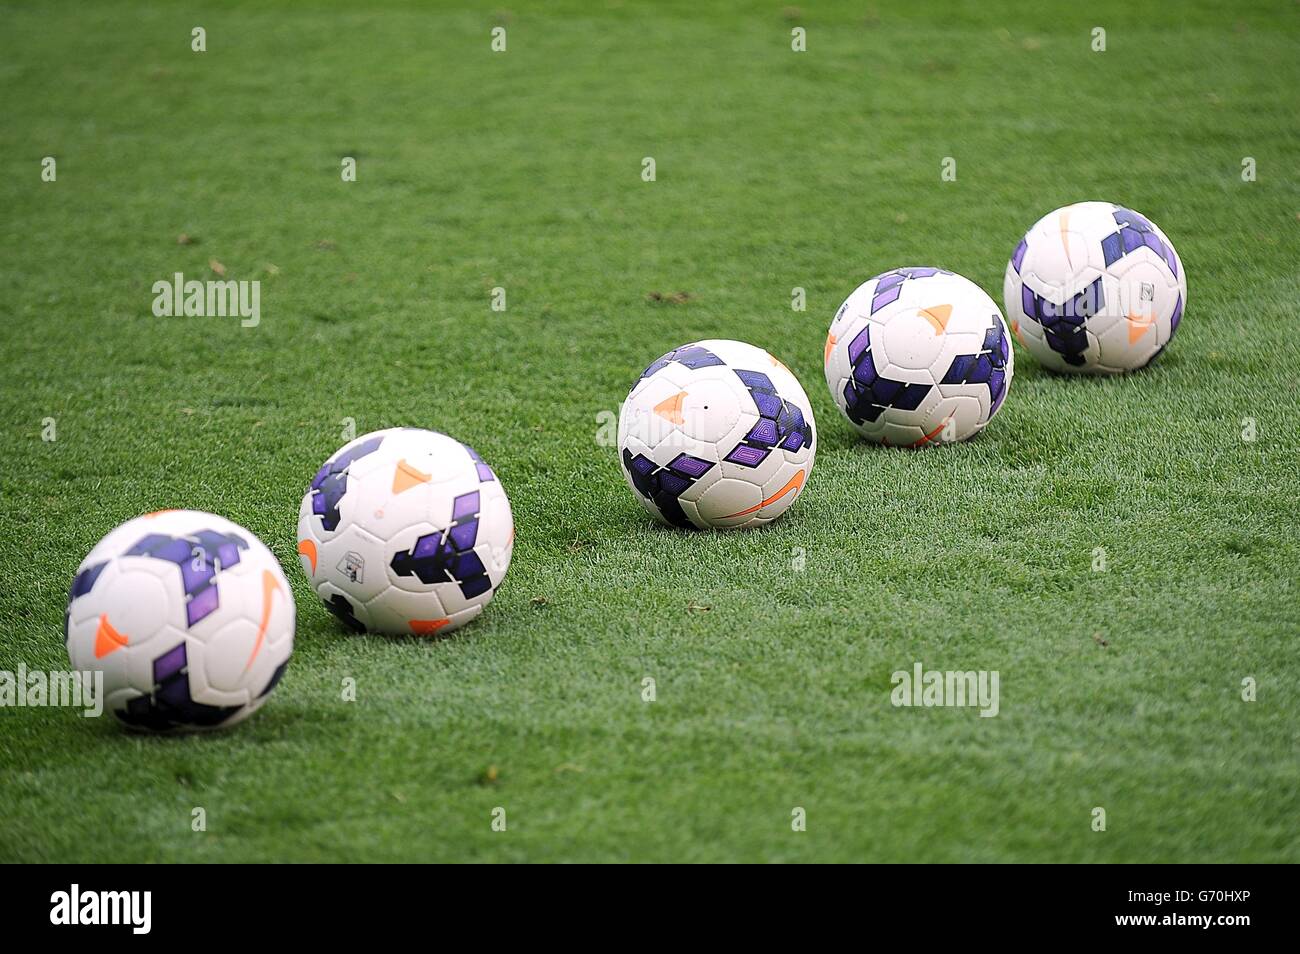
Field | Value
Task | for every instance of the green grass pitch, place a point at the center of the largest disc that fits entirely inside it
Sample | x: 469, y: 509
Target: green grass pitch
x: 775, y: 169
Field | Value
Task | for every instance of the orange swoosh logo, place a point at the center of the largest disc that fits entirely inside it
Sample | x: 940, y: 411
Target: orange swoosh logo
x: 307, y: 548
x: 830, y: 345
x: 931, y: 436
x: 427, y: 627
x: 1065, y: 237
x: 794, y: 483
x: 269, y: 585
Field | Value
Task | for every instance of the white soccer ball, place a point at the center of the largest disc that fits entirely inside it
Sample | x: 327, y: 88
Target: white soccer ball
x: 716, y: 434
x: 1095, y: 287
x: 188, y: 616
x: 918, y: 356
x: 405, y: 531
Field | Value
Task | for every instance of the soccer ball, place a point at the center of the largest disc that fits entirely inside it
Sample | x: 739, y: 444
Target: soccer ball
x: 188, y: 616
x: 716, y: 434
x: 918, y: 356
x: 405, y: 531
x: 1095, y: 287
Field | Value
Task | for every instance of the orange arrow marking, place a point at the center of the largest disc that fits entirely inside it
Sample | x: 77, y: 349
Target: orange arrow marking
x: 269, y: 585
x: 1138, y: 325
x: 670, y: 409
x: 938, y: 316
x: 794, y: 483
x: 405, y: 477
x: 107, y: 639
